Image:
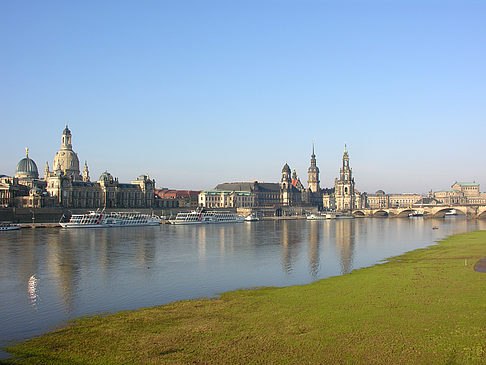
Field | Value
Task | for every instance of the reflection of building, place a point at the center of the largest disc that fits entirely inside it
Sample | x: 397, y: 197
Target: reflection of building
x: 345, y: 242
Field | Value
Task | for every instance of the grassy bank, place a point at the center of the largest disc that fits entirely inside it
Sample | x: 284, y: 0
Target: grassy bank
x: 426, y: 307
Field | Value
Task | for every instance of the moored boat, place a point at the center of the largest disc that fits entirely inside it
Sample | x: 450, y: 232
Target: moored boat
x: 96, y: 219
x: 317, y: 217
x: 9, y: 226
x: 206, y: 217
x: 252, y: 218
x: 416, y: 213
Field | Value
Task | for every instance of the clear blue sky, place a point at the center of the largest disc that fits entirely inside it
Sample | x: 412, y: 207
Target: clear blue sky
x: 200, y: 92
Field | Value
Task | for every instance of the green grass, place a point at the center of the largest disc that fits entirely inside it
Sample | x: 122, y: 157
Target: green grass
x: 423, y: 307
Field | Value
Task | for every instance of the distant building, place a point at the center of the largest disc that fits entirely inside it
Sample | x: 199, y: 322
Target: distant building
x: 264, y: 194
x: 461, y: 193
x: 382, y: 200
x: 169, y: 198
x: 226, y: 199
x: 11, y: 189
x: 344, y: 197
x: 65, y: 186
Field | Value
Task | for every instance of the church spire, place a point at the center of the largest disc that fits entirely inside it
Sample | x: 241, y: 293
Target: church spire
x: 313, y: 172
x: 86, y: 172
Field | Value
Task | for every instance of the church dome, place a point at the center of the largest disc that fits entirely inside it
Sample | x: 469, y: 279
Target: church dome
x: 106, y: 176
x: 66, y: 160
x: 26, y: 168
x: 286, y: 168
x: 380, y: 192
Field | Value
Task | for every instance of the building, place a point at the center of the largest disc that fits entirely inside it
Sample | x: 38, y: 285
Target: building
x: 264, y: 194
x: 24, y: 189
x: 66, y: 187
x: 226, y: 199
x: 169, y: 198
x: 382, y: 200
x: 461, y: 193
x: 344, y: 197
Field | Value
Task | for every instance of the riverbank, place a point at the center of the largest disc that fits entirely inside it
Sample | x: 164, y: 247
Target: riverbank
x: 426, y: 306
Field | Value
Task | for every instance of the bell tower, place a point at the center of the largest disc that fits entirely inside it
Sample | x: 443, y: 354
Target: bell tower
x: 313, y: 172
x: 66, y: 139
x: 86, y: 172
x: 344, y: 186
x: 285, y: 186
x: 285, y: 181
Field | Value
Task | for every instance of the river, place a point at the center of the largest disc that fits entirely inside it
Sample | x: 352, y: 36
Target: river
x: 49, y: 276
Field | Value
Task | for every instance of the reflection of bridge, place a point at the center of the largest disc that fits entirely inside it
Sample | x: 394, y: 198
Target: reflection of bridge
x: 470, y: 211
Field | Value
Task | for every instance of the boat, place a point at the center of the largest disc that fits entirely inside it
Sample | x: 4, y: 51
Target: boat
x: 416, y: 213
x: 96, y: 219
x: 9, y: 226
x: 252, y: 218
x: 206, y: 217
x: 451, y: 212
x: 318, y: 217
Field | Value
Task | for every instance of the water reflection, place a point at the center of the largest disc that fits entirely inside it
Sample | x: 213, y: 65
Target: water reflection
x: 345, y: 241
x: 32, y: 290
x: 314, y: 240
x: 290, y: 240
x: 48, y: 276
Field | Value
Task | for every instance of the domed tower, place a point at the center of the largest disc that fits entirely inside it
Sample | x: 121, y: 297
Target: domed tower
x: 313, y: 172
x: 286, y: 186
x: 26, y: 168
x: 66, y: 159
x: 286, y: 180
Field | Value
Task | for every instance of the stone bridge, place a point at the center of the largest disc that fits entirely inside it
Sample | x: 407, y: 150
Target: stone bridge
x: 470, y: 211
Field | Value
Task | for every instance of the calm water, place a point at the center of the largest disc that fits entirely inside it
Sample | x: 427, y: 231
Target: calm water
x: 48, y: 276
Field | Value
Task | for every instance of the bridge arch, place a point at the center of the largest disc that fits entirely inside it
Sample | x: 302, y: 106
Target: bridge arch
x: 482, y: 213
x: 359, y: 213
x: 405, y: 212
x: 442, y: 212
x: 380, y: 213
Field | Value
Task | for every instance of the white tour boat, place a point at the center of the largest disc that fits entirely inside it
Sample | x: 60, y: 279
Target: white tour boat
x: 114, y: 219
x: 203, y: 217
x: 318, y: 217
x: 8, y: 226
x: 416, y: 213
x: 252, y: 218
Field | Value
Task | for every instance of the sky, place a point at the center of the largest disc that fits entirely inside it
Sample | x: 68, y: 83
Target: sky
x: 195, y: 93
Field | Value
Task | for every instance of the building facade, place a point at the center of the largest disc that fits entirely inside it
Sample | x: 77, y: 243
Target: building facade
x: 461, y: 193
x: 344, y: 197
x: 170, y: 198
x: 226, y: 199
x: 65, y: 186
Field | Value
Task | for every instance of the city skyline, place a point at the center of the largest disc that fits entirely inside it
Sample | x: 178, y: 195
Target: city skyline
x: 196, y: 95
